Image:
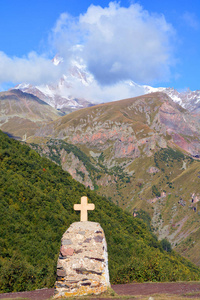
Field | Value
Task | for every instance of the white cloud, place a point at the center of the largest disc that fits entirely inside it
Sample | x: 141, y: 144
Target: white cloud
x: 118, y: 43
x: 114, y: 42
x: 97, y: 93
x: 32, y: 69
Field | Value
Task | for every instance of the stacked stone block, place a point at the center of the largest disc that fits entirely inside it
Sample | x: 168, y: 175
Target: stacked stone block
x: 82, y: 267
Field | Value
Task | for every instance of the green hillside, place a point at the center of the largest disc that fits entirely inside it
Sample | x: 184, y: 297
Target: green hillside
x: 165, y: 185
x: 140, y: 153
x: 36, y: 207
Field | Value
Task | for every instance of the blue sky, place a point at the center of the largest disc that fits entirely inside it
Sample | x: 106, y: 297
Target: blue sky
x: 150, y: 42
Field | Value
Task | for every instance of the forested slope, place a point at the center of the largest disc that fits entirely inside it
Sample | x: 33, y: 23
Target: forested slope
x: 36, y: 207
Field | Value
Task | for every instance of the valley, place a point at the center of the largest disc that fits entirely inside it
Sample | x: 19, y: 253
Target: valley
x: 141, y: 153
x: 36, y: 207
x: 99, y: 105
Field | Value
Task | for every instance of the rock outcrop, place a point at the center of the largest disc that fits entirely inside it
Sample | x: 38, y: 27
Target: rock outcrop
x: 129, y: 128
x: 82, y: 267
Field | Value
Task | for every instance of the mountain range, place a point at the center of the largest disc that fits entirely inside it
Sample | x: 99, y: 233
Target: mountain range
x: 36, y: 207
x: 142, y: 153
x: 22, y: 112
x: 60, y: 94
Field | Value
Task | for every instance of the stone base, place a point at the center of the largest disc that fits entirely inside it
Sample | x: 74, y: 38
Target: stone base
x: 82, y: 267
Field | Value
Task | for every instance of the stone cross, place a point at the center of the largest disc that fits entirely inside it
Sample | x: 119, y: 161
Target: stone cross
x: 84, y: 207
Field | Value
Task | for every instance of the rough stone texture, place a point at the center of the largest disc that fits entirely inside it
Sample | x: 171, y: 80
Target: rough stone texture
x: 82, y: 267
x: 138, y: 126
x: 152, y: 170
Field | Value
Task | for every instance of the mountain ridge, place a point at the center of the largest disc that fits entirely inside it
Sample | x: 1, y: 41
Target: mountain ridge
x: 36, y: 207
x: 22, y: 113
x: 63, y: 94
x: 167, y: 117
x: 139, y: 152
x: 144, y: 149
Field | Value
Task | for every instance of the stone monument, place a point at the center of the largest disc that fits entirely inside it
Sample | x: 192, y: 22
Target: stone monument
x: 82, y: 267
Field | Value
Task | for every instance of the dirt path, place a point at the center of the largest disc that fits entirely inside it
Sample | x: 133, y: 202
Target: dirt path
x: 158, y: 288
x: 133, y: 289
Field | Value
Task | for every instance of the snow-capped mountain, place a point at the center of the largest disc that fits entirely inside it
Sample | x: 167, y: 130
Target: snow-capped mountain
x: 75, y: 90
x: 60, y: 94
x: 188, y: 99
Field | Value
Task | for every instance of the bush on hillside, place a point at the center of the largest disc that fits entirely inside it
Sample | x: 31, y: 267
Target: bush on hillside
x: 36, y: 207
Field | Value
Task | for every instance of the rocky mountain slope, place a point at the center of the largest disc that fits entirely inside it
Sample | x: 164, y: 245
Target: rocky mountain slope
x: 36, y: 208
x: 132, y: 127
x: 22, y: 113
x: 56, y: 96
x: 142, y: 153
x: 188, y: 99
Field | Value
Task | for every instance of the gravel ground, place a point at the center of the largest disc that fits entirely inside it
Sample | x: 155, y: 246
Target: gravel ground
x: 124, y: 289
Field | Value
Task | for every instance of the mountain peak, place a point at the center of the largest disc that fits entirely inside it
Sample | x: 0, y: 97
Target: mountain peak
x: 57, y: 60
x: 65, y: 93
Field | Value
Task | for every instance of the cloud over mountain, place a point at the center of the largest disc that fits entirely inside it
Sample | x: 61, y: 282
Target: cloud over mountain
x: 33, y: 68
x: 118, y: 43
x: 115, y: 43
